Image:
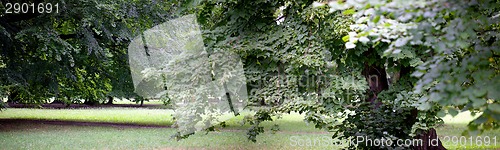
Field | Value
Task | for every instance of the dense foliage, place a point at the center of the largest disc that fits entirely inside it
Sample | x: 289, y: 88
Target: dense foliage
x: 78, y: 53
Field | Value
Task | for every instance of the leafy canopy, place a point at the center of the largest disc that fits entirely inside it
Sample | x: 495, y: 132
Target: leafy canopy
x: 462, y: 70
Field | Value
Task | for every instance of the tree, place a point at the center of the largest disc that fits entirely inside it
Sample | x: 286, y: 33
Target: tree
x: 76, y: 53
x: 293, y: 62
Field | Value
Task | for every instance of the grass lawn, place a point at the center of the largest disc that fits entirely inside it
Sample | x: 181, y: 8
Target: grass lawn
x: 293, y: 134
x: 118, y: 115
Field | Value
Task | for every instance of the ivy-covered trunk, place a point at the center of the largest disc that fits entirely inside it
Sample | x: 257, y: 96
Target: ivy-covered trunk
x: 377, y: 81
x: 376, y: 77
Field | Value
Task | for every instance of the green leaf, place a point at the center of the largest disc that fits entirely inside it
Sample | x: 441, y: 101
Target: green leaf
x: 478, y: 102
x: 495, y: 107
x: 463, y: 44
x: 460, y: 101
x: 464, y: 35
x: 417, y: 74
x: 424, y: 106
x: 441, y: 114
x: 376, y: 19
x: 416, y: 62
x: 480, y: 120
x: 345, y: 38
x: 349, y: 11
x: 401, y: 42
x: 419, y: 18
x: 480, y: 92
x: 435, y: 97
x: 453, y: 112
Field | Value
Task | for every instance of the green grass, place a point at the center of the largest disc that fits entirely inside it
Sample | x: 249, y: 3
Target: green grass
x: 293, y: 134
x: 117, y: 115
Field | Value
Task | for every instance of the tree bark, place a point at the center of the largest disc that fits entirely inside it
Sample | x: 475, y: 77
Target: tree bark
x: 69, y: 101
x: 430, y: 141
x: 376, y: 77
x: 110, y: 100
x: 377, y: 81
x: 13, y: 97
x: 429, y: 138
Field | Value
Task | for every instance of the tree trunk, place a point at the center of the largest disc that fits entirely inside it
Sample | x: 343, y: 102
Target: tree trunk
x: 68, y: 98
x: 142, y: 102
x: 376, y: 77
x: 430, y: 141
x: 377, y: 81
x: 13, y: 97
x: 110, y: 100
x: 429, y: 138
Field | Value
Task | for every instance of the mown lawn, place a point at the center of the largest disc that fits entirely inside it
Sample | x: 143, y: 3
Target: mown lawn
x: 118, y: 115
x: 293, y: 134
